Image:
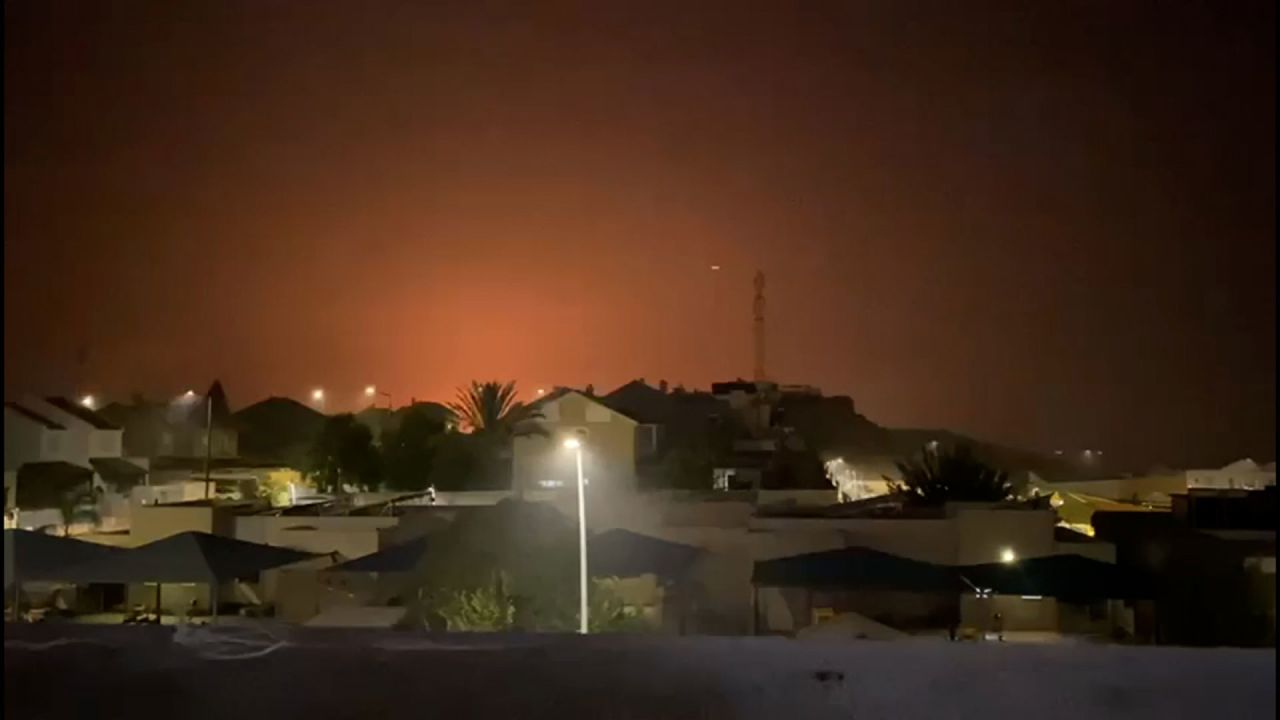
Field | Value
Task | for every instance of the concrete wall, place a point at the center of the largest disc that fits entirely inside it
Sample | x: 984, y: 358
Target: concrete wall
x: 983, y: 534
x: 1231, y: 478
x: 609, y: 446
x: 154, y: 522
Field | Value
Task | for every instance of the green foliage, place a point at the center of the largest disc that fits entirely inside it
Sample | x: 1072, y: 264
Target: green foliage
x: 517, y: 556
x: 484, y: 609
x: 344, y: 456
x: 951, y: 475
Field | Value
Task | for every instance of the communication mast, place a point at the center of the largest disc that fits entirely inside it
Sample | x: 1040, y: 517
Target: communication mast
x: 757, y: 307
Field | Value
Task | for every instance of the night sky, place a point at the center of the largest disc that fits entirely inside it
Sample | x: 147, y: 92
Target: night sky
x: 1049, y: 224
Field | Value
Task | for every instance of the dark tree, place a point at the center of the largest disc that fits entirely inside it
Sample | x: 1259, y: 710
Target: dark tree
x: 344, y: 456
x: 491, y: 409
x: 941, y: 475
x: 409, y: 451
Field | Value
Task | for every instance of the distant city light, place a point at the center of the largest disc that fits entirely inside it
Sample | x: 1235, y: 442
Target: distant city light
x: 1008, y: 556
x: 317, y: 394
x: 370, y: 391
x: 88, y: 401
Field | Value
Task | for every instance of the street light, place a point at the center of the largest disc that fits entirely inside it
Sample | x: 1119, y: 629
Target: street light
x: 575, y: 445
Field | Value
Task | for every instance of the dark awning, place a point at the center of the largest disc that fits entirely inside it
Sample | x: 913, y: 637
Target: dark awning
x: 189, y: 557
x: 1066, y: 577
x: 622, y: 553
x: 401, y: 558
x: 44, y: 484
x: 33, y: 556
x: 118, y: 472
x: 856, y: 568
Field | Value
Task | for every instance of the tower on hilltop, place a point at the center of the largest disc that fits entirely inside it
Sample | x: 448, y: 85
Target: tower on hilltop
x: 757, y: 307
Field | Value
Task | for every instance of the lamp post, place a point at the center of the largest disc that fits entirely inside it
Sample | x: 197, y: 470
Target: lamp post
x: 575, y: 445
x: 189, y: 398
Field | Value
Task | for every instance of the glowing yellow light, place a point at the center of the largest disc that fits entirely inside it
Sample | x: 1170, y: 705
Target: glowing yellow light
x: 572, y: 443
x: 88, y: 401
x: 317, y: 394
x: 1008, y: 556
x: 370, y: 391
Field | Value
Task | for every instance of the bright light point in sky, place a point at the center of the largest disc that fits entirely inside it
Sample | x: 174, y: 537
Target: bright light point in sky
x: 1008, y: 556
x: 541, y: 391
x: 317, y: 394
x: 715, y: 267
x: 87, y: 401
x: 369, y: 390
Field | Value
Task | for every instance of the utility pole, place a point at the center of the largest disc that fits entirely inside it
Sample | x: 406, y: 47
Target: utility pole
x: 757, y: 307
x: 208, y: 441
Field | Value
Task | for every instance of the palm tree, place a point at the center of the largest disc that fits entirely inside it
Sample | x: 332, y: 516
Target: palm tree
x: 491, y: 409
x: 950, y: 475
x: 76, y: 505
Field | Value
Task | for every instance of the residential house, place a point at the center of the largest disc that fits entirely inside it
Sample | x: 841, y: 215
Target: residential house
x: 1240, y: 475
x: 540, y: 460
x: 181, y: 427
x: 55, y: 447
x: 671, y: 420
x: 278, y: 430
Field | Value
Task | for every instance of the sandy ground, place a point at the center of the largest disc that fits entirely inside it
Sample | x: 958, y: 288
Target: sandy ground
x: 143, y: 672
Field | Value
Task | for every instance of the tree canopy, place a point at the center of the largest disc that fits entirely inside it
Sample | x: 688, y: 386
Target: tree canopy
x: 941, y: 475
x: 344, y: 456
x: 511, y: 566
x: 409, y: 451
x: 491, y: 409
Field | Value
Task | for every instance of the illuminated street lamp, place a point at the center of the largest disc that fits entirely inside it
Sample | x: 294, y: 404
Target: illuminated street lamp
x: 575, y: 445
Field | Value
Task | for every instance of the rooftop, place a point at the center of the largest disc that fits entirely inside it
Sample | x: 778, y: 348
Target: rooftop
x: 33, y: 416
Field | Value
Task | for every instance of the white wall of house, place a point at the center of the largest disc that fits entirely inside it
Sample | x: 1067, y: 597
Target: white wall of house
x: 80, y: 440
x: 609, y: 446
x: 28, y: 441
